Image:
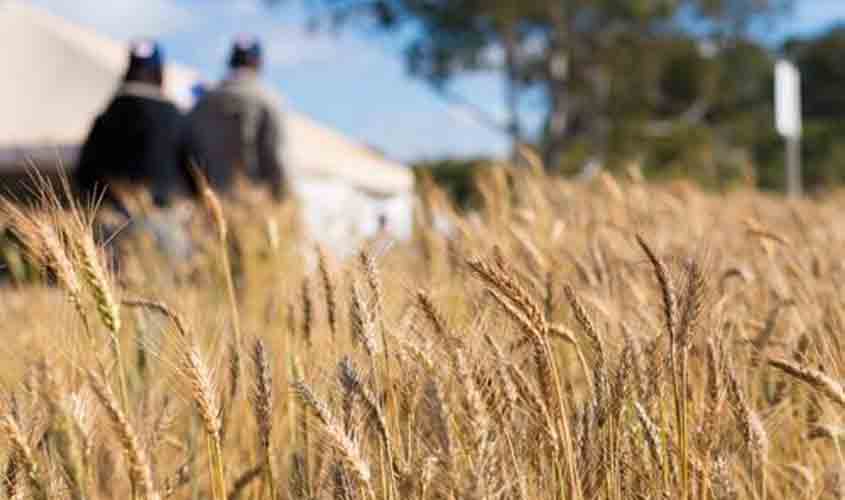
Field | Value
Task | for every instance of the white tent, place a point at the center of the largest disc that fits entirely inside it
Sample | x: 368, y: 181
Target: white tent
x: 58, y: 76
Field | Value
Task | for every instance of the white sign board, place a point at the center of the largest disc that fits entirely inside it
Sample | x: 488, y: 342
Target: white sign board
x: 787, y: 100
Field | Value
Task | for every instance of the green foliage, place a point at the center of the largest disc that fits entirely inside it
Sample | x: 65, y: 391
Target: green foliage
x: 823, y: 80
x: 823, y: 72
x: 456, y: 176
x: 823, y: 156
x: 14, y: 265
x: 677, y: 84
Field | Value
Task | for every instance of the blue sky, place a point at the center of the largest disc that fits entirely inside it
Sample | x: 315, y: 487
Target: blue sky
x: 353, y: 82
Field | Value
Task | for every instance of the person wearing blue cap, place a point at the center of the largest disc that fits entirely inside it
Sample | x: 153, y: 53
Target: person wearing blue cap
x: 140, y: 140
x: 238, y: 126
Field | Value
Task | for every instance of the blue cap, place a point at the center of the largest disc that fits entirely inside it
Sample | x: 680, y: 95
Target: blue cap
x: 145, y: 53
x: 245, y: 50
x: 198, y: 90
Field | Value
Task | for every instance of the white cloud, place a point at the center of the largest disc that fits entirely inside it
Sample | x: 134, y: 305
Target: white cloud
x: 123, y: 19
x: 294, y: 47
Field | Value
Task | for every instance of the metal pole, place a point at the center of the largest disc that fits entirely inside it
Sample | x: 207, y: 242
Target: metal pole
x: 793, y: 167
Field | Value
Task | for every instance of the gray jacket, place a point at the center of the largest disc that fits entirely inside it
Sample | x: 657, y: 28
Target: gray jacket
x: 237, y: 129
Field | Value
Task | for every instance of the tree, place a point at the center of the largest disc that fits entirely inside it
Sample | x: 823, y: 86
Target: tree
x: 820, y: 60
x: 601, y: 64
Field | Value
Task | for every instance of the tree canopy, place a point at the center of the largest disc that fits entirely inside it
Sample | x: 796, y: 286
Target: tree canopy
x: 680, y: 84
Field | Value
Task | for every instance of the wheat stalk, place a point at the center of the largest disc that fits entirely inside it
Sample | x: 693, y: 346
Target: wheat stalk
x: 515, y: 299
x: 215, y: 209
x: 678, y: 366
x: 755, y: 435
x: 353, y: 385
x: 204, y: 395
x: 90, y: 261
x: 139, y: 469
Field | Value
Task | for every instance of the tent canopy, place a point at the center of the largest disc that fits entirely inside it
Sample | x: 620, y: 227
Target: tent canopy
x: 59, y: 76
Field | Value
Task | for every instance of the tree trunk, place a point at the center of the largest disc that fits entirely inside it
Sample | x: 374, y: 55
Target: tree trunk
x: 557, y: 79
x: 511, y: 47
x: 558, y: 123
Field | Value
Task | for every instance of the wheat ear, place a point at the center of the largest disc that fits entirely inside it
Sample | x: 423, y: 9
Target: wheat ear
x: 262, y: 402
x: 678, y: 366
x: 215, y: 209
x: 329, y: 288
x: 204, y: 394
x: 93, y: 270
x: 346, y: 448
x: 24, y: 457
x: 753, y: 431
x: 819, y: 381
x: 515, y: 299
x: 139, y: 468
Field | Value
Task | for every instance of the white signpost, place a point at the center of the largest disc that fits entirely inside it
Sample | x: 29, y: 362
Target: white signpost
x: 788, y: 120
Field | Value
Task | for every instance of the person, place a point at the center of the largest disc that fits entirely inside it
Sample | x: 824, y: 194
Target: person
x: 140, y: 140
x: 238, y: 126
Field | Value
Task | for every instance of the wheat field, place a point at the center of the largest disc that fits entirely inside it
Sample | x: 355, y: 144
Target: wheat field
x: 608, y: 340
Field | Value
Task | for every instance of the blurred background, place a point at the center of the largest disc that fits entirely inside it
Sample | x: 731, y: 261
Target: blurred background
x: 679, y: 87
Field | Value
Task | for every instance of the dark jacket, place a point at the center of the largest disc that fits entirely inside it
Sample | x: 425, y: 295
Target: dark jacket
x: 140, y: 139
x: 239, y: 129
